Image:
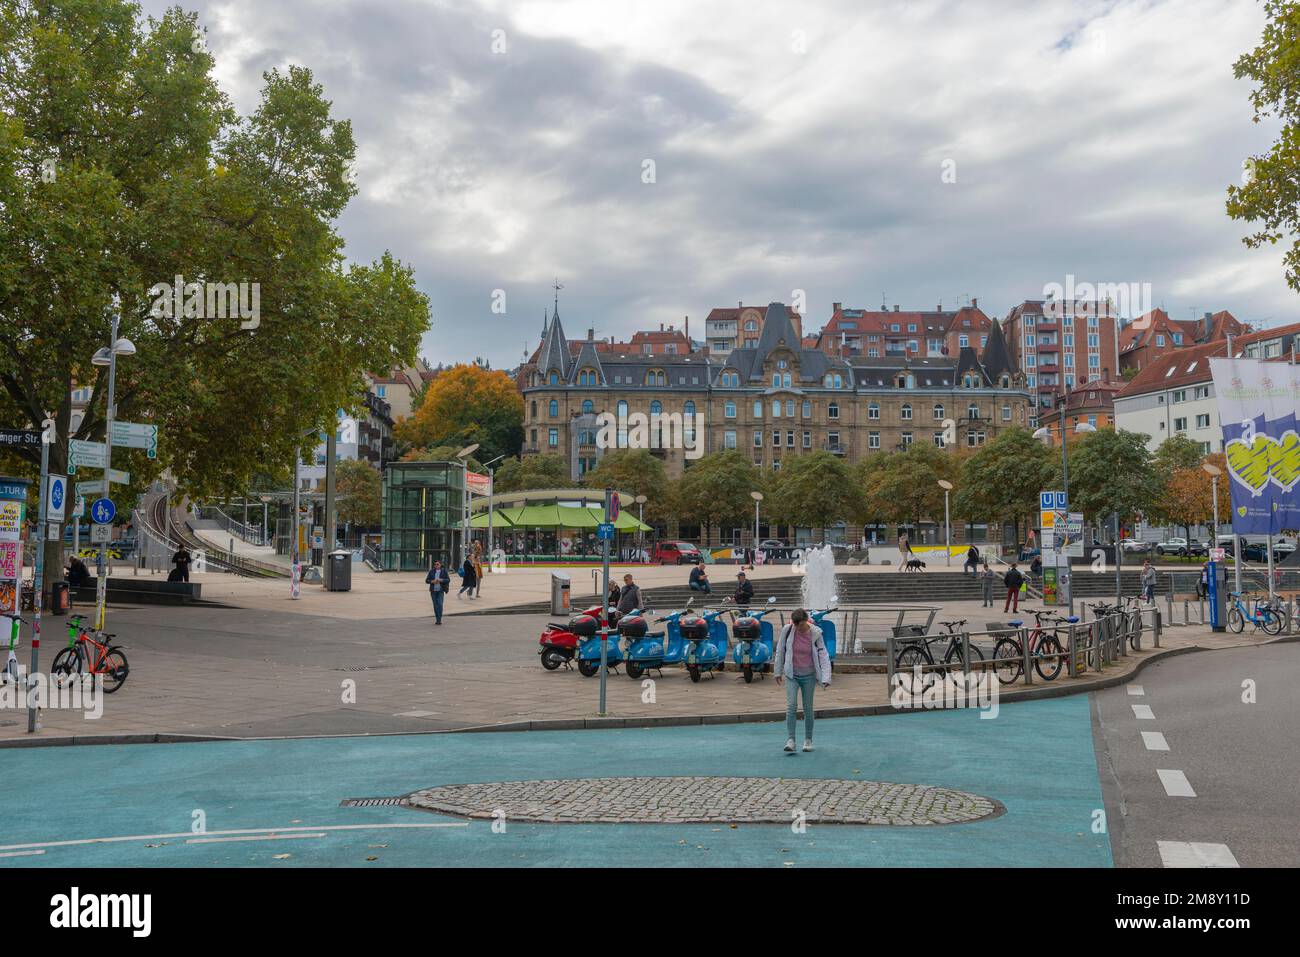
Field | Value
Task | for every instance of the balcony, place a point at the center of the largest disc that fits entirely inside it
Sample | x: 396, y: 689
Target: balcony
x: 835, y: 448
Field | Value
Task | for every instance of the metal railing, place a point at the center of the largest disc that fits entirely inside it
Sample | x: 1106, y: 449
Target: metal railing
x: 250, y: 534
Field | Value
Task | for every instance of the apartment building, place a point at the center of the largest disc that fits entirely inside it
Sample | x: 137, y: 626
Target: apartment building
x: 1058, y: 344
x: 894, y: 333
x: 1155, y: 334
x: 726, y: 329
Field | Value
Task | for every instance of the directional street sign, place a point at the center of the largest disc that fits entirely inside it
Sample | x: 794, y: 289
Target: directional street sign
x: 20, y: 438
x: 103, y: 511
x: 95, y: 488
x: 118, y: 477
x: 134, y: 435
x: 86, y: 454
x: 57, y: 498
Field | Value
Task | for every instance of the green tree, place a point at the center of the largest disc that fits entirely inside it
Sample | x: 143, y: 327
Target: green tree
x: 815, y: 490
x: 532, y: 472
x: 1111, y: 471
x: 1270, y: 193
x: 716, y: 490
x: 636, y: 472
x: 359, y: 489
x: 122, y: 166
x: 1176, y: 452
x: 905, y: 486
x: 1001, y: 481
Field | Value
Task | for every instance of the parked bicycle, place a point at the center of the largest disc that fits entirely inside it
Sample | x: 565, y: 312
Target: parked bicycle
x: 1045, y: 648
x: 86, y: 656
x: 917, y: 650
x: 1266, y: 616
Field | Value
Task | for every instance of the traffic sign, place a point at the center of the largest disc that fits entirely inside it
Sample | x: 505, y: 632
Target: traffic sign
x: 88, y: 454
x: 80, y: 508
x: 57, y: 497
x: 91, y: 488
x: 103, y: 511
x: 613, y: 506
x: 20, y: 438
x: 99, y: 534
x: 136, y: 435
x: 605, y: 531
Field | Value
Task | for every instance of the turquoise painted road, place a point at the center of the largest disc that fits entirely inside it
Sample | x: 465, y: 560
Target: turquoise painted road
x: 1037, y: 758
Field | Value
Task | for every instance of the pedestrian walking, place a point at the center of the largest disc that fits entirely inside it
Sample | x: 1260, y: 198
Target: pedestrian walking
x: 182, y: 561
x: 1036, y: 568
x: 629, y: 599
x: 478, y: 569
x: 468, y: 578
x: 439, y: 583
x: 612, y: 598
x: 972, y: 561
x: 1148, y: 581
x: 801, y: 658
x: 904, y: 552
x: 1203, y: 585
x: 1013, y: 580
x: 986, y: 578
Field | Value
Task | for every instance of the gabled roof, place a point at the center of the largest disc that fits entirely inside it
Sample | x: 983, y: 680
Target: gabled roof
x: 778, y: 332
x: 996, y: 358
x: 1188, y: 365
x: 588, y: 357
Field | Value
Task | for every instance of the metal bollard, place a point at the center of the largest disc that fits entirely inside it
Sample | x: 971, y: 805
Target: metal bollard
x: 1024, y: 649
x: 965, y: 652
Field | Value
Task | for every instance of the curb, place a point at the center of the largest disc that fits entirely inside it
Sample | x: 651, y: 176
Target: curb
x: 588, y: 724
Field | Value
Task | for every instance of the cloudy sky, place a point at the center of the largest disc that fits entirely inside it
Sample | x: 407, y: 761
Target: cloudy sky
x: 790, y: 146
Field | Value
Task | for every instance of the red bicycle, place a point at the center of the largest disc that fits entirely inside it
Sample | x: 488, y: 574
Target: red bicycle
x: 86, y: 656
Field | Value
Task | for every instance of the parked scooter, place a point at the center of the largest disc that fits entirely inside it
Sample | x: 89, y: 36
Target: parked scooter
x: 589, y: 639
x: 822, y: 620
x: 755, y: 643
x: 559, y: 643
x: 658, y: 648
x: 706, y: 642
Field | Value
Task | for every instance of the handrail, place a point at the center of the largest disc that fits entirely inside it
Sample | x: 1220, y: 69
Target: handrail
x: 244, y: 532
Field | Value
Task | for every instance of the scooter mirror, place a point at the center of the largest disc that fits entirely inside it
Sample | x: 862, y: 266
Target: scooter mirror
x: 772, y: 600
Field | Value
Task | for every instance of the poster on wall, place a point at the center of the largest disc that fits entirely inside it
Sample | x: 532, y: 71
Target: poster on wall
x: 1257, y: 413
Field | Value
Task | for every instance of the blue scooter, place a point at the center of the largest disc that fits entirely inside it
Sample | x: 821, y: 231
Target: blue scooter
x: 658, y: 648
x: 706, y: 643
x: 755, y: 643
x: 589, y: 645
x: 821, y: 620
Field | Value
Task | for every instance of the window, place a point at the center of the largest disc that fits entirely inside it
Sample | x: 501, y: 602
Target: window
x: 776, y: 380
x: 873, y: 411
x: 555, y: 379
x: 907, y: 440
x: 1178, y: 338
x: 1160, y: 341
x: 729, y: 440
x: 1201, y: 392
x: 1092, y: 420
x: 1069, y: 340
x: 1029, y: 339
x: 833, y: 439
x: 906, y: 413
x: 833, y: 410
x: 1030, y: 381
x: 656, y: 407
x: 789, y: 408
x: 751, y: 326
x: 807, y: 409
x: 776, y: 408
x: 964, y: 340
x: 972, y: 411
x: 938, y: 412
x: 789, y: 439
x: 839, y: 382
x: 873, y: 440
x: 534, y: 438
x: 938, y: 439
x: 553, y: 438
x: 1094, y: 340
x: 913, y: 345
x: 785, y: 380
x: 621, y: 416
x: 911, y: 327
x: 379, y: 390
x: 1030, y: 361
x: 1006, y: 413
x: 1203, y: 421
x: 553, y: 408
x: 1094, y: 361
x: 1180, y: 424
x: 984, y: 341
x: 1180, y: 395
x: 588, y: 407
x: 974, y: 438
x: 533, y: 412
x: 807, y: 439
x: 688, y: 422
x: 776, y: 438
x: 758, y: 440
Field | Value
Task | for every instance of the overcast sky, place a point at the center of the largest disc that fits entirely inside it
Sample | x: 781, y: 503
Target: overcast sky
x: 795, y: 146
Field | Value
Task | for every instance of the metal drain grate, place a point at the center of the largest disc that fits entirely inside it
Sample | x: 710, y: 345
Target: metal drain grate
x: 373, y: 802
x: 354, y: 668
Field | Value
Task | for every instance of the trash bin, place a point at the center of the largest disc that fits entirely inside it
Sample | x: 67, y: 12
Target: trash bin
x: 559, y: 593
x: 60, y: 598
x: 340, y: 570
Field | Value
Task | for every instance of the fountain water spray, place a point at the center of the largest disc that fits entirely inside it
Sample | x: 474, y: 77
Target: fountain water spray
x: 819, y: 589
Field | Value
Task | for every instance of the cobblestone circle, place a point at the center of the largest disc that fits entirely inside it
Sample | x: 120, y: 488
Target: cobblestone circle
x: 708, y: 800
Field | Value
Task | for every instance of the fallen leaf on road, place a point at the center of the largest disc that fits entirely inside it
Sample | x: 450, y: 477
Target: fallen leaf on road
x: 282, y: 857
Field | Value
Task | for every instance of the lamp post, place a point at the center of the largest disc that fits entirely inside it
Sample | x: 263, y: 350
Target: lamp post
x: 464, y: 455
x: 107, y: 356
x: 1214, y: 472
x: 492, y: 484
x: 640, y: 514
x: 266, y: 520
x: 947, y: 524
x: 757, y: 497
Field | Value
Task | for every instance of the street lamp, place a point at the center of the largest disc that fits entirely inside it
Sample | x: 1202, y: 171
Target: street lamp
x: 947, y: 525
x: 640, y: 503
x: 492, y: 484
x: 107, y: 356
x: 1213, y: 471
x: 464, y: 455
x: 757, y: 497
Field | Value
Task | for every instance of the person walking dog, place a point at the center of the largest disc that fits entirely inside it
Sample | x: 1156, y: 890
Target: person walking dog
x: 439, y: 583
x: 801, y: 659
x: 1013, y: 580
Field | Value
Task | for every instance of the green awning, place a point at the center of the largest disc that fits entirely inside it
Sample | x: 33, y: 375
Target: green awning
x: 627, y: 522
x: 499, y: 520
x: 556, y: 516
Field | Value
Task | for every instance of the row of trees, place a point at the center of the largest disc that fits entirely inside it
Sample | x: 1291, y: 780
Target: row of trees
x: 1110, y: 473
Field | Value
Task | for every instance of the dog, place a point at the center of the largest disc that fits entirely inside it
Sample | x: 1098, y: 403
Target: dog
x: 916, y: 565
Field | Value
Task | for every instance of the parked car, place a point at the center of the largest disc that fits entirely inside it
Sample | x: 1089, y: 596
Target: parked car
x: 1175, y: 546
x: 772, y: 543
x: 676, y: 553
x: 1133, y: 546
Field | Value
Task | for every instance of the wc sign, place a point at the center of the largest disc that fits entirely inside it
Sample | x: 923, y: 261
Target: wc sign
x: 56, y: 499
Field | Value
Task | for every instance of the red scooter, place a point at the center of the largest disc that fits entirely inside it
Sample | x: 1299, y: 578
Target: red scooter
x: 559, y: 643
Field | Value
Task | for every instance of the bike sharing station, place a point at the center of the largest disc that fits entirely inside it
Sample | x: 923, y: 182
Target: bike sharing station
x: 1062, y: 540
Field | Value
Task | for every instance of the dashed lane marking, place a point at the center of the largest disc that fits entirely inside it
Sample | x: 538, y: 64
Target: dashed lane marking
x: 1176, y: 784
x: 1143, y: 712
x: 1182, y: 854
x: 1137, y: 691
x: 1155, y: 741
x: 22, y: 853
x: 255, y: 837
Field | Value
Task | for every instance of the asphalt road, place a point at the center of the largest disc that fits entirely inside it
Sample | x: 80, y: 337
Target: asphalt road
x: 1240, y: 758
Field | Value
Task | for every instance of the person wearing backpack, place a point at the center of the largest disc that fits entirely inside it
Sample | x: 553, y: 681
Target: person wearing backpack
x: 1013, y: 580
x: 972, y: 561
x: 439, y: 583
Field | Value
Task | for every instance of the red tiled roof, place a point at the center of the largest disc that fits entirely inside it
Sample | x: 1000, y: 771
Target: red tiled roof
x: 1187, y: 362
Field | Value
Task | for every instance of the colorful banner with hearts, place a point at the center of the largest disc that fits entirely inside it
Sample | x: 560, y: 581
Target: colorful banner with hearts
x: 1261, y: 442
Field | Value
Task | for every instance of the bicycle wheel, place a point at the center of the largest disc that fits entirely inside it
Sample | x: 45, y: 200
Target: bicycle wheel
x: 1049, y: 668
x: 911, y: 657
x: 954, y: 655
x: 1134, y: 630
x: 114, y: 669
x: 1007, y: 660
x: 1271, y: 621
x: 1236, y: 621
x: 67, y: 663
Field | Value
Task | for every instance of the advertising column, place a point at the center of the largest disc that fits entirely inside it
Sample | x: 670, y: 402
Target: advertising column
x: 13, y: 512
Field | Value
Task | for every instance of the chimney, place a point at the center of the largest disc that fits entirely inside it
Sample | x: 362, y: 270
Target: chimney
x: 740, y: 304
x: 686, y: 323
x: 591, y: 335
x: 836, y: 306
x: 975, y: 303
x: 661, y: 327
x: 895, y: 307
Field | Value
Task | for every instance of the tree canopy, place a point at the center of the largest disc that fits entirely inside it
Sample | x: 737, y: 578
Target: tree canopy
x: 716, y: 489
x: 464, y: 404
x: 1001, y: 481
x: 814, y: 490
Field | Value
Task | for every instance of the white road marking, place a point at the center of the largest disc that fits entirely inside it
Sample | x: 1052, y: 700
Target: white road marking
x: 22, y: 853
x: 248, y: 830
x: 1176, y: 784
x: 256, y: 837
x: 1143, y: 712
x: 1155, y: 741
x: 1136, y: 691
x: 415, y: 714
x: 1181, y: 854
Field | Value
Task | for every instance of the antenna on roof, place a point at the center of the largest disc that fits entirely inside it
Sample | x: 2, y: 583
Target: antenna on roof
x: 557, y: 287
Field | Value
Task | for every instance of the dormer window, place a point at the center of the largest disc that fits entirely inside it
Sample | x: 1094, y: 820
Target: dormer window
x: 656, y: 377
